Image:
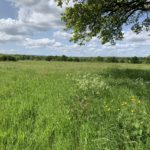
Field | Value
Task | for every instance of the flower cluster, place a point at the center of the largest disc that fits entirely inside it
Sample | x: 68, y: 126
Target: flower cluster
x: 91, y: 83
x: 131, y: 117
x: 133, y: 105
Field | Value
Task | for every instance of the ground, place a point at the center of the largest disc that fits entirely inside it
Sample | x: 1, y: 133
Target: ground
x: 74, y: 106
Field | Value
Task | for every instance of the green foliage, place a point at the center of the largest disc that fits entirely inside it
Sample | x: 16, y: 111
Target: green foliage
x: 112, y: 59
x: 100, y: 59
x: 105, y: 19
x: 49, y: 58
x: 64, y: 58
x: 7, y: 58
x: 76, y: 59
x: 135, y: 60
x: 147, y: 60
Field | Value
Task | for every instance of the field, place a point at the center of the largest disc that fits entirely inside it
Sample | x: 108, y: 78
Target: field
x: 74, y: 106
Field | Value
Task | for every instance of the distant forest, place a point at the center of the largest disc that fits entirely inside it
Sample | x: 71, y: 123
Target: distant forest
x: 136, y: 60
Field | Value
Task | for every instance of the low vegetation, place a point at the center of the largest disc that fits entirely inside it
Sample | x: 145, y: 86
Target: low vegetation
x: 74, y: 106
x: 133, y: 60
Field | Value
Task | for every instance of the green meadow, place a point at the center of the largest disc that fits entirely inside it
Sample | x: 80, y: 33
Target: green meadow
x: 74, y: 106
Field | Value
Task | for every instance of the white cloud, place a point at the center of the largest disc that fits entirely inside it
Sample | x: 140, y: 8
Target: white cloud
x: 38, y: 43
x: 44, y: 43
x: 62, y: 35
x: 33, y: 16
x: 10, y: 38
x: 58, y: 45
x: 40, y: 14
x: 20, y: 3
x: 13, y: 27
x: 137, y: 38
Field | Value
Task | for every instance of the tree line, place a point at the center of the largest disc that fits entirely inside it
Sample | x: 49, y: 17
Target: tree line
x: 136, y: 60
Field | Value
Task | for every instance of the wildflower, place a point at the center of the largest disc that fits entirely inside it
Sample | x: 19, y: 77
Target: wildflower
x: 132, y: 110
x: 124, y: 103
x: 133, y: 99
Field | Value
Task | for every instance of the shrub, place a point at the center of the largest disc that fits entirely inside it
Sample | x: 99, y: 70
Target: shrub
x: 64, y: 58
x: 100, y: 58
x: 135, y: 60
x: 49, y: 58
x: 147, y: 60
x: 8, y: 58
x: 112, y: 59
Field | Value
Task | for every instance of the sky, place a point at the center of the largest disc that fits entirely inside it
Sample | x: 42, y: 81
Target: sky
x: 34, y: 27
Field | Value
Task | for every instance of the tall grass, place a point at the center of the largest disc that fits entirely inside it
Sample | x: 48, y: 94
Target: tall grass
x: 74, y: 106
x: 111, y: 111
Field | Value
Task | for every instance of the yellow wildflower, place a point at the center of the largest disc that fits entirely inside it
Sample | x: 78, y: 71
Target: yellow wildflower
x: 124, y: 103
x: 132, y: 110
x: 133, y: 99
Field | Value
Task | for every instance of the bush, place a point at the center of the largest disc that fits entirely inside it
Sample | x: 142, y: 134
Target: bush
x: 8, y: 58
x: 100, y: 58
x: 76, y: 59
x: 112, y: 59
x: 64, y: 58
x: 147, y: 60
x: 49, y: 58
x: 135, y: 60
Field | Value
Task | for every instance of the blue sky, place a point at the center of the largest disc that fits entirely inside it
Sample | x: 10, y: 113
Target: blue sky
x: 34, y: 27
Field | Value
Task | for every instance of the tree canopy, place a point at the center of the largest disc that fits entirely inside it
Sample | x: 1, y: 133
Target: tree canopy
x: 105, y: 19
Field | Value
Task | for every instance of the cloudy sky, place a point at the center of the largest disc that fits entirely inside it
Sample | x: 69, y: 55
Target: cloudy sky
x: 34, y: 27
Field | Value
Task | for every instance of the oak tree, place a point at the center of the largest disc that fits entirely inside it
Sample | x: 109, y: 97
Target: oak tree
x: 105, y: 19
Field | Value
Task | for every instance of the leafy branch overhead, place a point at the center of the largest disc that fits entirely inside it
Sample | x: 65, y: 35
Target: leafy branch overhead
x: 105, y: 19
